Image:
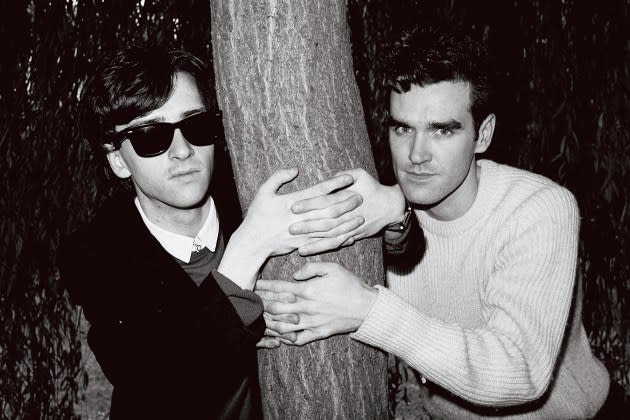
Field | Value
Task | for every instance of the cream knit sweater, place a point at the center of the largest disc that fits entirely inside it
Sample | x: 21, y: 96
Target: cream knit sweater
x: 485, y: 312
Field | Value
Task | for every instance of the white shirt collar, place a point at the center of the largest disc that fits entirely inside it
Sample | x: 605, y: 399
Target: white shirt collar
x: 181, y: 246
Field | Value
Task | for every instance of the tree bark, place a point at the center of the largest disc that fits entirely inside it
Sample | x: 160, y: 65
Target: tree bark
x: 286, y: 86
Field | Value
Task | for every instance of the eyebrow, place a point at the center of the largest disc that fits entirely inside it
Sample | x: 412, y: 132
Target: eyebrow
x: 157, y: 120
x: 391, y: 121
x: 444, y: 125
x: 431, y: 125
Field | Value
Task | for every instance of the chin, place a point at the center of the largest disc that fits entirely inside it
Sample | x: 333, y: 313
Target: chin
x: 190, y: 201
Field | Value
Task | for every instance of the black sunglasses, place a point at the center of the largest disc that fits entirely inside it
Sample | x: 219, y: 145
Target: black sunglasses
x: 202, y: 129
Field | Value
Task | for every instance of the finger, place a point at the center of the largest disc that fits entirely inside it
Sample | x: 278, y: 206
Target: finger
x: 279, y: 308
x: 326, y: 244
x: 320, y: 202
x: 312, y: 269
x: 326, y: 228
x: 342, y: 230
x: 328, y: 218
x: 279, y: 327
x: 325, y: 187
x: 290, y: 318
x: 268, y: 343
x: 277, y: 286
x: 271, y: 333
x: 348, y: 242
x: 355, y: 173
x: 304, y: 337
x: 278, y: 179
x: 278, y: 297
x: 339, y: 237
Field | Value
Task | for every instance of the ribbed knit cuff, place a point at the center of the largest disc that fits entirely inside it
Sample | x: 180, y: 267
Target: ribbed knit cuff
x: 382, y: 322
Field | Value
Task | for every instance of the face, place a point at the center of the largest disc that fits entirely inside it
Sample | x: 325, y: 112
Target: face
x: 180, y: 177
x: 433, y: 146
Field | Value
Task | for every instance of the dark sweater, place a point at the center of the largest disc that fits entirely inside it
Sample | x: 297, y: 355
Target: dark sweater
x: 170, y: 348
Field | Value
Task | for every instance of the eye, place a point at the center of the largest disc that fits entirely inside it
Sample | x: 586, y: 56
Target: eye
x: 402, y: 130
x: 443, y: 132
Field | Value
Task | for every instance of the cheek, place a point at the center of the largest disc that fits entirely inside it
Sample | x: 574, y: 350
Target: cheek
x: 399, y: 153
x: 458, y: 154
x: 148, y: 170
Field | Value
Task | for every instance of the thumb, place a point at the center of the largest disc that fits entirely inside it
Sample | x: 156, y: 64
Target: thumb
x: 268, y: 343
x: 355, y: 173
x: 309, y: 270
x: 278, y: 179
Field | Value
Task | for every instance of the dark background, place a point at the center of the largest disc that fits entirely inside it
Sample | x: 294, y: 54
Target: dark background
x: 564, y: 112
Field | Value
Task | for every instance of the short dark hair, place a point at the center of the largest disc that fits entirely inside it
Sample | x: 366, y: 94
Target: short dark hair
x: 426, y: 56
x: 133, y: 82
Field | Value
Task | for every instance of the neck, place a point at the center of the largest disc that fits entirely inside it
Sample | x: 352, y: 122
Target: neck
x: 186, y: 222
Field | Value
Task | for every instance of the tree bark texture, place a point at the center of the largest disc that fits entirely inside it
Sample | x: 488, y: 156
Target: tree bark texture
x: 286, y: 86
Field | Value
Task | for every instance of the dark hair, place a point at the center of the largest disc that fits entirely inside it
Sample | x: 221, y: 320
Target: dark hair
x: 422, y: 57
x: 133, y: 82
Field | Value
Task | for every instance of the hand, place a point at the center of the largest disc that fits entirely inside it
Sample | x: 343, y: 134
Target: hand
x: 269, y: 215
x: 381, y: 206
x: 265, y: 230
x: 329, y: 300
x: 273, y: 338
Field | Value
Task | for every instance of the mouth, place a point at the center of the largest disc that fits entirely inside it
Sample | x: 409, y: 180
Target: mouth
x: 419, y: 176
x: 183, y: 173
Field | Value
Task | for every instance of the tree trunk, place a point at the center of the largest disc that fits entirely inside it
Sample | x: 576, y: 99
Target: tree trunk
x: 286, y: 86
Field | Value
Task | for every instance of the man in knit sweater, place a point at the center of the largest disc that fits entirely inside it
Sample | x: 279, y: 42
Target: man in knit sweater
x: 482, y: 301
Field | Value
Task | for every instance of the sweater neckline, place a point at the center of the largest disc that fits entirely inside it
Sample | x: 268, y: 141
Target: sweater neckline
x: 480, y: 209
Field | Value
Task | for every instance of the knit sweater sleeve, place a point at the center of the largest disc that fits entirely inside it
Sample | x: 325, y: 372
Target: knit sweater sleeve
x: 526, y: 301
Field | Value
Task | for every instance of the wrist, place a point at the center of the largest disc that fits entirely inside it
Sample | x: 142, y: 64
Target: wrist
x: 242, y: 260
x: 252, y: 241
x: 397, y: 204
x: 368, y: 299
x: 401, y: 223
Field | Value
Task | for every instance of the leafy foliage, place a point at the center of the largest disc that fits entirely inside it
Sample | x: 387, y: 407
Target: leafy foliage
x: 564, y: 113
x: 52, y: 183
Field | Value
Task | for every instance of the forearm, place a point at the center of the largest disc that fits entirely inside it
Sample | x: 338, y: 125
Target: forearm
x: 484, y: 365
x: 242, y: 260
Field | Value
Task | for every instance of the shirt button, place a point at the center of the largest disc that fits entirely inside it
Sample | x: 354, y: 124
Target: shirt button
x: 423, y: 379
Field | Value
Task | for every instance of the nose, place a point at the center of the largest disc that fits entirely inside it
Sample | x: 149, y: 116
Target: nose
x: 420, y: 150
x: 180, y: 148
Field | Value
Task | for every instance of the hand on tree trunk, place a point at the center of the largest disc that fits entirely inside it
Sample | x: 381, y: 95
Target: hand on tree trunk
x: 324, y: 300
x: 380, y: 206
x: 266, y: 232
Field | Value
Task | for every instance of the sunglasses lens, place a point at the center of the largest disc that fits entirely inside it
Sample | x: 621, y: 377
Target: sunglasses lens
x: 199, y: 129
x: 151, y: 140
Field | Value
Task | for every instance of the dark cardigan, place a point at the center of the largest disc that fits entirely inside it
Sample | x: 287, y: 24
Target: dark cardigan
x: 170, y: 348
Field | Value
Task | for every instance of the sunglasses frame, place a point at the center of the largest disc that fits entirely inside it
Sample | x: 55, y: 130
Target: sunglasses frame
x: 118, y: 137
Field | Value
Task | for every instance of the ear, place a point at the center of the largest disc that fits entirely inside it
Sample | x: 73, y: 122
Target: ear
x: 118, y: 164
x: 484, y: 137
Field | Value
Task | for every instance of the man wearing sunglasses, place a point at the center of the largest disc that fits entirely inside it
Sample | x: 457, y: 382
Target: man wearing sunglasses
x: 173, y: 319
